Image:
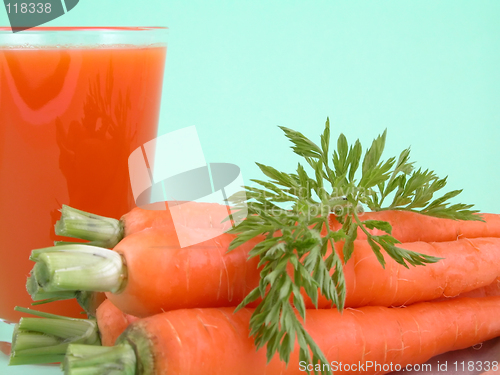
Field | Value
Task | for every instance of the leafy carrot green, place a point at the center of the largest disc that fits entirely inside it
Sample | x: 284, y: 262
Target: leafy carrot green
x: 292, y: 211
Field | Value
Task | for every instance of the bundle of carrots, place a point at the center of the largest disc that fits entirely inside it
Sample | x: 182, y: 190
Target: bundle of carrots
x: 336, y: 291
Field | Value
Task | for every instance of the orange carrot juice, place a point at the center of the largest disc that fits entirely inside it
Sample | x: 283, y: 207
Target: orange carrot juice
x: 69, y: 118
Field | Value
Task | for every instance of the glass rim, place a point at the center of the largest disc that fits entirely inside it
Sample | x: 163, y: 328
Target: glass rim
x: 48, y: 29
x: 83, y: 36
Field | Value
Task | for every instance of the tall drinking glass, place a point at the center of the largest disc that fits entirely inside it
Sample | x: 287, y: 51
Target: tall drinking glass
x: 74, y: 103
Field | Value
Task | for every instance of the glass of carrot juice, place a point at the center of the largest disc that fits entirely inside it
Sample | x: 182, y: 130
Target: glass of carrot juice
x: 74, y: 103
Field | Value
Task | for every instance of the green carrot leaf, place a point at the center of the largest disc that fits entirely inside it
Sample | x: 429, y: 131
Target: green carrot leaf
x: 378, y: 224
x: 293, y: 212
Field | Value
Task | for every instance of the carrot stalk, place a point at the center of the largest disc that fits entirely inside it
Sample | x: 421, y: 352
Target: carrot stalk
x: 45, y: 339
x: 216, y: 341
x: 89, y: 301
x: 97, y: 360
x: 39, y: 295
x: 76, y: 267
x: 101, y: 231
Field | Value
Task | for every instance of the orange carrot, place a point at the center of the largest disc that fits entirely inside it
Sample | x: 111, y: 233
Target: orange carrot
x: 193, y: 214
x: 467, y: 264
x: 369, y: 340
x: 410, y: 226
x: 153, y: 274
x: 492, y: 289
x: 107, y: 232
x: 5, y: 347
x: 112, y: 322
x: 203, y: 275
x: 155, y: 268
x: 407, y: 226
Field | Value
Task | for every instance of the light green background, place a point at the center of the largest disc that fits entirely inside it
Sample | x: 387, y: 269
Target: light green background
x: 427, y: 70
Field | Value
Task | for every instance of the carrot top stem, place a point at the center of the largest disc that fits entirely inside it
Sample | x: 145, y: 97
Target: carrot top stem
x: 89, y: 360
x: 97, y: 269
x: 131, y: 354
x: 89, y: 301
x: 45, y: 339
x: 99, y: 230
x: 39, y: 295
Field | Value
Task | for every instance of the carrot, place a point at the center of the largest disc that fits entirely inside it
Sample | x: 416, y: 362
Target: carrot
x: 466, y: 265
x: 407, y: 226
x: 368, y: 340
x: 107, y: 232
x: 49, y: 337
x: 5, y: 347
x: 492, y: 289
x: 152, y: 273
x: 150, y: 266
x: 112, y: 322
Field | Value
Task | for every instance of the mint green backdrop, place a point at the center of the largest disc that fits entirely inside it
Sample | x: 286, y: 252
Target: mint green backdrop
x: 428, y: 71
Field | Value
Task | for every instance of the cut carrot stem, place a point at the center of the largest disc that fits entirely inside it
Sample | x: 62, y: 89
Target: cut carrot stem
x: 101, y: 231
x: 39, y: 295
x: 77, y: 267
x: 88, y: 300
x: 93, y: 360
x: 216, y: 341
x: 62, y: 243
x: 45, y: 339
